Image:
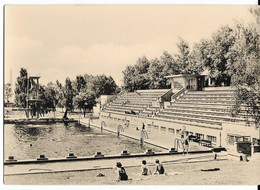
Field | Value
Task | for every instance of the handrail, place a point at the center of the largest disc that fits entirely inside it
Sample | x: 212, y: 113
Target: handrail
x: 113, y: 98
x: 161, y: 96
x: 166, y: 92
x: 176, y: 95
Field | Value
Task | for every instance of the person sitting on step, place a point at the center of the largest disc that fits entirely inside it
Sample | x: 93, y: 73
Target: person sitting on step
x: 159, y: 169
x: 145, y: 169
x: 122, y: 176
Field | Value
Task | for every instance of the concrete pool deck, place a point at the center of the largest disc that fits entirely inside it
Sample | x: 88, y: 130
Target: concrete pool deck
x: 180, y: 170
x: 165, y: 141
x: 70, y: 166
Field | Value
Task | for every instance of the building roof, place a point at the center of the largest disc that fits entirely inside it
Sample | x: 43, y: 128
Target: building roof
x: 34, y: 77
x: 183, y: 75
x: 205, y: 72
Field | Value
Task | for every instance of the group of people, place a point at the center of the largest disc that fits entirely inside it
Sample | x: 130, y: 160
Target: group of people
x: 145, y: 170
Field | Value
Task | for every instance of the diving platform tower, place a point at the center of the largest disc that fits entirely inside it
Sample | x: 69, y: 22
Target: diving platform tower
x: 33, y: 102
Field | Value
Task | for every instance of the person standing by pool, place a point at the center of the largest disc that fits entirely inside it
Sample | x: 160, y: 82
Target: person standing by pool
x: 143, y: 127
x: 145, y: 134
x: 186, y: 145
x: 127, y: 124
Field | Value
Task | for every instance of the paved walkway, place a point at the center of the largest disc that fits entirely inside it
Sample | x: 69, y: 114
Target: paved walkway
x: 164, y: 140
x: 101, y: 164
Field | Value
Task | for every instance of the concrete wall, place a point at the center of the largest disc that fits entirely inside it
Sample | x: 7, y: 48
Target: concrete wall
x: 218, y: 88
x: 238, y: 129
x: 96, y: 110
x: 166, y: 127
x: 177, y: 83
x: 167, y: 96
x: 105, y: 98
x: 183, y: 82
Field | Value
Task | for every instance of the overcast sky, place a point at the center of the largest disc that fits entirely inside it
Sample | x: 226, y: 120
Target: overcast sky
x: 56, y: 42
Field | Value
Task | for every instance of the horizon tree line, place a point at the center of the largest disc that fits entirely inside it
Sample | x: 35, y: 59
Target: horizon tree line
x: 81, y: 93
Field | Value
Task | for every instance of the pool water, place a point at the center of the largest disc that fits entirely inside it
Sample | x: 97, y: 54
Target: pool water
x: 58, y: 140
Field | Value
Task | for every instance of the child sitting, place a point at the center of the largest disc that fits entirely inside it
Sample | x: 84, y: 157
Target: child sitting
x: 159, y: 169
x: 122, y: 176
x: 145, y: 169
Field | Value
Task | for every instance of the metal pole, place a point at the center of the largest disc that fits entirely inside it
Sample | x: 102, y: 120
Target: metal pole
x: 37, y: 93
x: 27, y: 98
x: 220, y: 139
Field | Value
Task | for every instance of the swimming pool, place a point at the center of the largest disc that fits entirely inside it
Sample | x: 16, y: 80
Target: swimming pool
x: 58, y: 140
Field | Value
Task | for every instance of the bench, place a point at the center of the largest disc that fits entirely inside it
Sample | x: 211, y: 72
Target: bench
x: 194, y: 138
x: 206, y: 143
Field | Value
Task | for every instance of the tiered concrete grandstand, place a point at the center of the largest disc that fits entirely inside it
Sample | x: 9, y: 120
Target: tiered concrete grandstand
x: 188, y: 106
x: 210, y: 107
x: 138, y: 102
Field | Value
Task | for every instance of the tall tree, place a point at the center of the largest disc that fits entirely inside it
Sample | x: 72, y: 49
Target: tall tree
x: 128, y: 78
x: 170, y: 67
x: 156, y: 75
x: 183, y: 56
x: 7, y: 92
x: 85, y: 99
x: 68, y: 94
x: 80, y: 83
x: 21, y: 88
x: 50, y: 95
x: 244, y: 61
x: 102, y: 85
x: 214, y: 54
x: 59, y: 90
x: 186, y: 59
x: 136, y: 77
x: 256, y: 13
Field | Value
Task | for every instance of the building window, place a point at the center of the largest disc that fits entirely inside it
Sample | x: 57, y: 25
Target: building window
x: 212, y: 138
x: 149, y: 126
x: 191, y: 84
x: 156, y: 127
x: 231, y: 140
x: 170, y: 130
x: 163, y: 129
x: 238, y: 139
x: 246, y: 139
x: 201, y: 136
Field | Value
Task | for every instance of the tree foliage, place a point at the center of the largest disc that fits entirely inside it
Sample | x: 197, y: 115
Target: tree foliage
x: 85, y: 99
x: 60, y: 95
x: 68, y: 94
x: 231, y: 55
x: 101, y: 85
x: 136, y: 77
x: 244, y: 61
x: 20, y: 88
x: 7, y: 92
x: 51, y: 99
